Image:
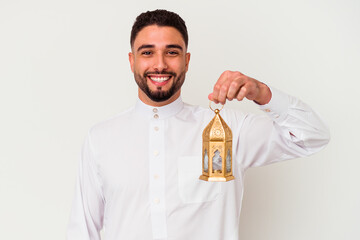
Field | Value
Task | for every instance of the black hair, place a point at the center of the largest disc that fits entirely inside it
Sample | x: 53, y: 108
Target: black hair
x: 161, y: 18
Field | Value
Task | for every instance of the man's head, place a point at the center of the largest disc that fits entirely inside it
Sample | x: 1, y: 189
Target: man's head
x: 158, y: 56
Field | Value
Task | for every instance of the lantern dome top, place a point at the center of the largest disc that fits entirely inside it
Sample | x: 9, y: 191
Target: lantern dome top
x: 217, y: 129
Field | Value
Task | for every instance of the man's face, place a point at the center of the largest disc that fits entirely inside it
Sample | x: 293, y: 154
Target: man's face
x: 159, y: 62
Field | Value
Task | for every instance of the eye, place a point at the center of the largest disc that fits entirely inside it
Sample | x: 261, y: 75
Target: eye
x: 173, y: 53
x: 146, y: 53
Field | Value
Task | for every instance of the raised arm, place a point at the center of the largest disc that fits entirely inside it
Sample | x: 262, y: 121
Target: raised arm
x: 291, y: 129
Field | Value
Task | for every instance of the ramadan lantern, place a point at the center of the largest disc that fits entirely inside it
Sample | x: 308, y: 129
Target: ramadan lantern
x: 217, y: 150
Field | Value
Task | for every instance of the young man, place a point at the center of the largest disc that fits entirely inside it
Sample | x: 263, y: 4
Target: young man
x: 139, y: 172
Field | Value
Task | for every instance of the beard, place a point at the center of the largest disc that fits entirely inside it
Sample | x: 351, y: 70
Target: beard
x: 160, y: 95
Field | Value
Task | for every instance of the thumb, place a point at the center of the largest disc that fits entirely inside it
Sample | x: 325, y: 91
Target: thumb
x: 210, y: 97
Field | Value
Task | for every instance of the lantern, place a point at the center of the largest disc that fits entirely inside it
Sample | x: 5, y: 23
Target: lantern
x: 217, y: 151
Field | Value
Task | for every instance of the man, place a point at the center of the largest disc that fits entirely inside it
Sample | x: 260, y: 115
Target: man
x: 139, y: 172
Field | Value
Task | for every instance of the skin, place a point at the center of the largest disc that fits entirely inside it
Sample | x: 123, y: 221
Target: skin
x: 235, y: 85
x: 158, y: 49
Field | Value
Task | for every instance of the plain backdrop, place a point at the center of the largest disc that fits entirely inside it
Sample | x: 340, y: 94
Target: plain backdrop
x: 64, y: 67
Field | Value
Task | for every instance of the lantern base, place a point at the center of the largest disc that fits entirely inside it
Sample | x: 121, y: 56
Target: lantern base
x: 217, y: 179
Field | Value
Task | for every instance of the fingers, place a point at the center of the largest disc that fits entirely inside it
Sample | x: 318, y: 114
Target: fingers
x: 218, y: 87
x: 250, y: 90
x: 235, y: 85
x: 234, y: 89
x: 224, y: 89
x: 210, y: 96
x: 227, y: 87
x: 241, y: 94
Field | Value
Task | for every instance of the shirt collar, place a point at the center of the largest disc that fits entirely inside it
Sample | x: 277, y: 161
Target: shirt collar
x: 163, y: 112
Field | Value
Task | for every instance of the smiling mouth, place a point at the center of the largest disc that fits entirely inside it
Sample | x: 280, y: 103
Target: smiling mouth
x: 159, y: 79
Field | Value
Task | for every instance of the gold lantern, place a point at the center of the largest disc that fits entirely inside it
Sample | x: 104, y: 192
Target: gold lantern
x: 217, y: 151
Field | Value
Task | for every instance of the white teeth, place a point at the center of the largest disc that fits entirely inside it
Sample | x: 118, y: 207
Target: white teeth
x: 159, y: 79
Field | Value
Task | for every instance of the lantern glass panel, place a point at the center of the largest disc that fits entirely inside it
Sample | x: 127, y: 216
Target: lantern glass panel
x: 228, y: 161
x: 217, y: 161
x: 206, y: 161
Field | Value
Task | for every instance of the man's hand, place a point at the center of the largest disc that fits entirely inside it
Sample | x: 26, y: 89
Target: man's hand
x: 235, y: 85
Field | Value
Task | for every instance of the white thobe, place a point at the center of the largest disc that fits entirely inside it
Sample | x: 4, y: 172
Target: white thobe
x: 139, y: 172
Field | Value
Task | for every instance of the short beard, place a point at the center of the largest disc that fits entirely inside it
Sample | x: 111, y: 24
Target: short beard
x: 160, y: 96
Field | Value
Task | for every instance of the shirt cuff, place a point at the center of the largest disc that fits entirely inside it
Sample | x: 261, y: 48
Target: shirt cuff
x: 278, y: 105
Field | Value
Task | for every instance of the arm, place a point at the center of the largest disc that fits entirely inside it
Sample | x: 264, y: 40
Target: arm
x: 292, y: 128
x: 86, y: 218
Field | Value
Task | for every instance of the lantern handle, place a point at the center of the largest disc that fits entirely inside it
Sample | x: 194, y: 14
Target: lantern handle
x: 216, y: 108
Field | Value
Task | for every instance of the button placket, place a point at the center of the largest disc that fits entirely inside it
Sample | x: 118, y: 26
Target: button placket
x: 157, y: 183
x: 155, y: 111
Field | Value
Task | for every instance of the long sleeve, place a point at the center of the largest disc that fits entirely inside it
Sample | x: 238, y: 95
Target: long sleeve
x: 291, y: 129
x: 86, y: 219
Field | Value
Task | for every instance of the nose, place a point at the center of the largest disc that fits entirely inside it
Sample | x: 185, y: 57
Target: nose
x: 160, y: 63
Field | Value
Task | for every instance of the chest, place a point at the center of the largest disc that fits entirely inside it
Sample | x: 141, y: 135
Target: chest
x: 125, y: 160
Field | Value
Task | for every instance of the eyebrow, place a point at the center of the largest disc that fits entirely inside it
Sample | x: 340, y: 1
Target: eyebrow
x: 152, y: 46
x: 174, y: 46
x: 146, y: 46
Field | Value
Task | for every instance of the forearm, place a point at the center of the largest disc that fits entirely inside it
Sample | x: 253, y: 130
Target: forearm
x: 304, y: 125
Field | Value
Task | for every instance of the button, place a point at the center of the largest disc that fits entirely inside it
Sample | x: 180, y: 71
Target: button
x: 155, y: 110
x: 156, y: 200
x: 156, y: 176
x: 156, y: 116
x: 156, y: 128
x: 267, y: 110
x: 156, y: 152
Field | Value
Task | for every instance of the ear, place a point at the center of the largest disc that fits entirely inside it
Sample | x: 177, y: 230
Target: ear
x: 187, y: 60
x: 131, y: 60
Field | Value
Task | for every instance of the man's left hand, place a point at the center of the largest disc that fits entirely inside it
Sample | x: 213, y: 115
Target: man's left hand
x: 235, y: 85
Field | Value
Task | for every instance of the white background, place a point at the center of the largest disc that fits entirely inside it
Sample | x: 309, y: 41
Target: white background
x: 64, y: 67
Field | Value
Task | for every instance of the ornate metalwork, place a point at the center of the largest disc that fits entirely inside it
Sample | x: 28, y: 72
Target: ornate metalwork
x: 217, y: 150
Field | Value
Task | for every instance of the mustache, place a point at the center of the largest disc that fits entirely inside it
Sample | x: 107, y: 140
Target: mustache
x: 162, y: 72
